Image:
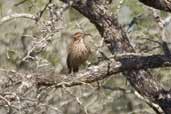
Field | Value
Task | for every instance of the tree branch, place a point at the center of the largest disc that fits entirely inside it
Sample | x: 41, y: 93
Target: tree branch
x: 108, y: 68
x: 13, y: 16
x: 158, y: 4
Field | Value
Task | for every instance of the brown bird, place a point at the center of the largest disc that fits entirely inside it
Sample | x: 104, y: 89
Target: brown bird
x: 78, y: 52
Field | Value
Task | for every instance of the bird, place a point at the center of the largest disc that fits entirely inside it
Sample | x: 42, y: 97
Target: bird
x: 78, y: 52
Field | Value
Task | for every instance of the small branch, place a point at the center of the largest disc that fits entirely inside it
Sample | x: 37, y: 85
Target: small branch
x: 7, y: 102
x: 162, y: 24
x: 154, y: 106
x: 43, y: 10
x: 19, y: 3
x: 14, y: 16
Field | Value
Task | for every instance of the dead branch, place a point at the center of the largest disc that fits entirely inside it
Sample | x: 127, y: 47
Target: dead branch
x: 14, y: 16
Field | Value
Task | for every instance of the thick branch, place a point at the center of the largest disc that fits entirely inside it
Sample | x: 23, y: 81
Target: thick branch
x: 110, y: 67
x: 158, y: 4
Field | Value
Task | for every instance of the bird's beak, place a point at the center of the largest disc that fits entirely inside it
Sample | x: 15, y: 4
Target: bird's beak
x: 86, y: 34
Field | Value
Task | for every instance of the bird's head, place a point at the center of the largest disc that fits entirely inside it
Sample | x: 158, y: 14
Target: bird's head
x: 79, y: 35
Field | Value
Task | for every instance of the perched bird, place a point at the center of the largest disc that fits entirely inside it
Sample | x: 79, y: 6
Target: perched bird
x: 78, y: 52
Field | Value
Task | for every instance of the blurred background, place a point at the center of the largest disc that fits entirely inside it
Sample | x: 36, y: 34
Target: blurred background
x: 49, y: 44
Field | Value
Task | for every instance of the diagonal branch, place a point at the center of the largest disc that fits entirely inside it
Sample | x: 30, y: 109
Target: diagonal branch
x: 158, y: 4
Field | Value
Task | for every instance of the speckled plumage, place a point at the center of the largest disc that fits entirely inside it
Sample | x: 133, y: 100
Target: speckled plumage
x: 78, y: 52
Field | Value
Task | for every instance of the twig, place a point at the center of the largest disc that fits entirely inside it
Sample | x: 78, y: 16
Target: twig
x: 43, y: 10
x: 162, y: 24
x: 19, y: 3
x: 7, y: 102
x: 16, y: 15
x: 77, y: 99
x: 117, y: 89
x: 156, y: 107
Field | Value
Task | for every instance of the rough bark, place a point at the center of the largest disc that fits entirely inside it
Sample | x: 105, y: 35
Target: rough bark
x: 108, y: 68
x: 158, y: 4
